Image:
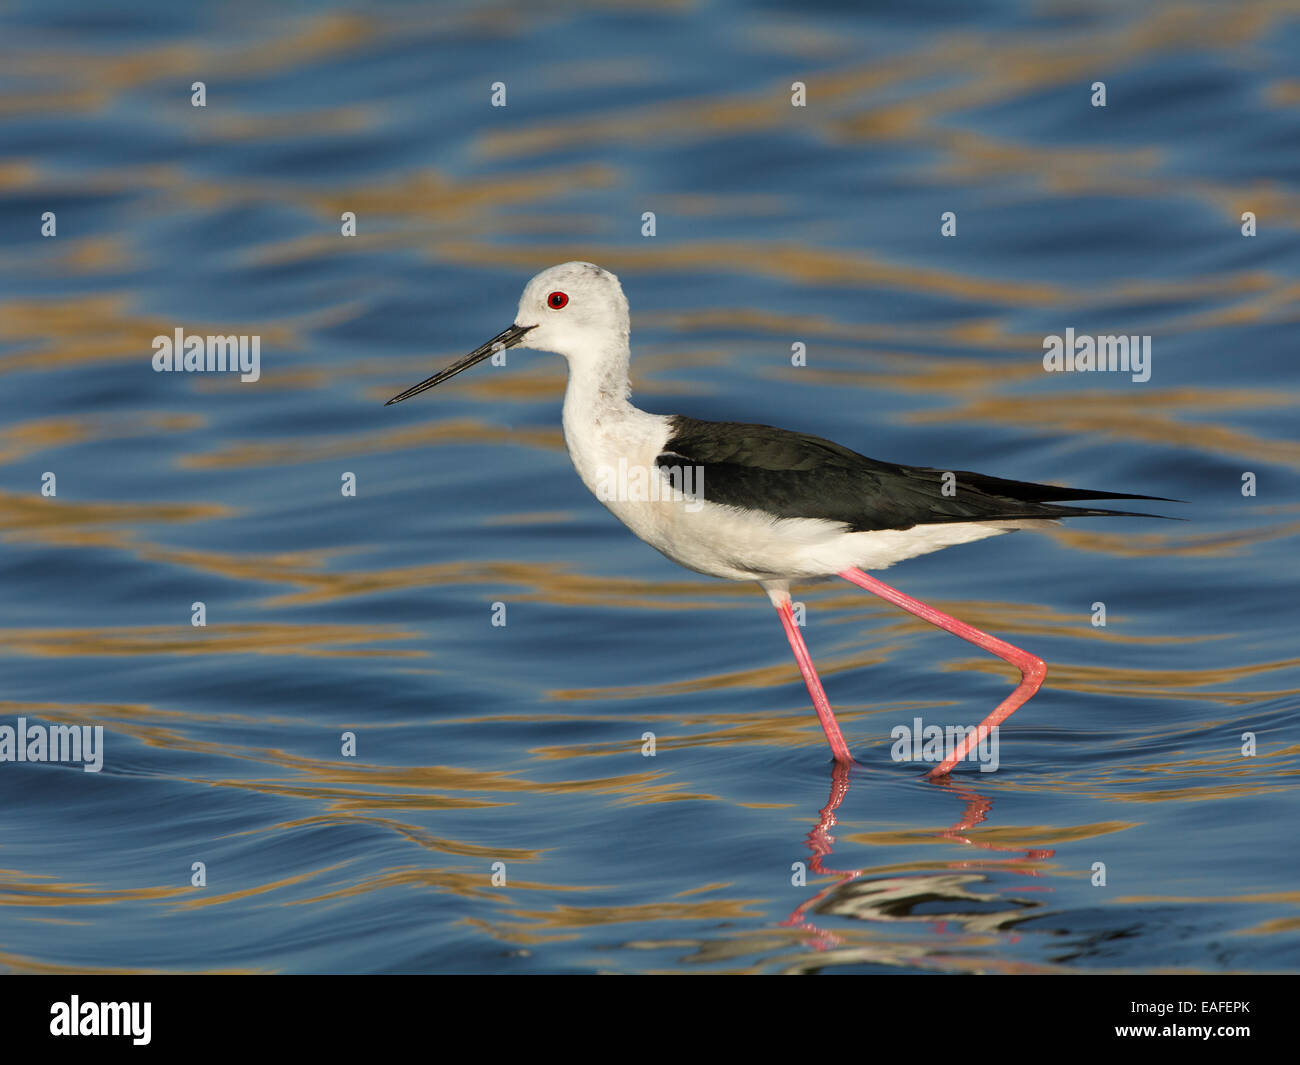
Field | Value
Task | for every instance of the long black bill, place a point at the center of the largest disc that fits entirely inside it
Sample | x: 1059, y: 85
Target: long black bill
x: 508, y: 338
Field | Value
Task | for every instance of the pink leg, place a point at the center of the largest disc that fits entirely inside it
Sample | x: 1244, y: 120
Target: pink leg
x: 839, y: 748
x: 1032, y: 668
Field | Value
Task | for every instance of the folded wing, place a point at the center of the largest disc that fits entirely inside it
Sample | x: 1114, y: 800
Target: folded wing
x: 795, y: 475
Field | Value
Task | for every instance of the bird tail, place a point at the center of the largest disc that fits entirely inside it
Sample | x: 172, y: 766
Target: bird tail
x: 1045, y: 499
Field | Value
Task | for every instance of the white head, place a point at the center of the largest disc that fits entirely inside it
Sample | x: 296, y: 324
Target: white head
x: 571, y: 308
x: 576, y: 310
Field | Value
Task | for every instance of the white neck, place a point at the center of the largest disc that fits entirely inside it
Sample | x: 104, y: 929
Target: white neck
x: 601, y: 426
x: 598, y: 387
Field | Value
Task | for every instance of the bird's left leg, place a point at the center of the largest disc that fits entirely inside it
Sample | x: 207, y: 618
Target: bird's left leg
x: 1032, y: 668
x: 779, y: 593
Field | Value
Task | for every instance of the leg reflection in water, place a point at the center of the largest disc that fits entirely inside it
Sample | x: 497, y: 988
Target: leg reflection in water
x: 947, y: 897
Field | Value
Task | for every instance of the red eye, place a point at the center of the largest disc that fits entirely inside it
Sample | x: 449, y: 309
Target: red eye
x: 556, y: 300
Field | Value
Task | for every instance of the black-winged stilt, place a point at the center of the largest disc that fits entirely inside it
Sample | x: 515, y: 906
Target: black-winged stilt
x: 756, y: 503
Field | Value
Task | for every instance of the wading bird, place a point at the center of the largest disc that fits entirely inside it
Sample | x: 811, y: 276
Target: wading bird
x: 755, y: 503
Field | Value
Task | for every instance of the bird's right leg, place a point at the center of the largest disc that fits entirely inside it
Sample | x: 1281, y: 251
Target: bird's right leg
x: 1032, y: 668
x: 779, y: 593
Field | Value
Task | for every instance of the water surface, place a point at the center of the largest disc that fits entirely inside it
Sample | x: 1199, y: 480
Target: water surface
x: 522, y: 744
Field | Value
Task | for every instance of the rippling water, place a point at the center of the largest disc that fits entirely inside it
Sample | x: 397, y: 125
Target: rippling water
x: 521, y: 744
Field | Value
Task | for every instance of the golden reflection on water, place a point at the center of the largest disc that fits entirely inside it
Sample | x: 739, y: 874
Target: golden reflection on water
x: 31, y: 518
x: 19, y: 963
x: 951, y: 73
x: 285, y: 452
x: 1102, y: 414
x: 89, y: 329
x: 24, y: 439
x: 213, y: 639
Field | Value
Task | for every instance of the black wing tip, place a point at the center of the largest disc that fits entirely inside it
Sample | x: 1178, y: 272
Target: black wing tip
x: 1120, y: 495
x: 1049, y: 512
x: 1081, y: 512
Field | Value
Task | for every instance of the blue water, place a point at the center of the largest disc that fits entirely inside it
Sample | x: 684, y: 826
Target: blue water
x: 522, y: 744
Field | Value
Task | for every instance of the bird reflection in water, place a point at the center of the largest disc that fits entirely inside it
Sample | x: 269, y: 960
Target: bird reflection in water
x: 949, y: 898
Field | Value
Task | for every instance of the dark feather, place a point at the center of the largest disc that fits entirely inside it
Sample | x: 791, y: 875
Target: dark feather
x: 795, y: 475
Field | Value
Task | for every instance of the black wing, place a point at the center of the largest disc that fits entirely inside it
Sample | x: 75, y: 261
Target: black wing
x: 795, y: 475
